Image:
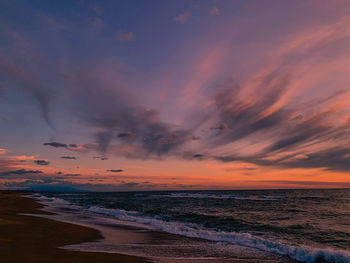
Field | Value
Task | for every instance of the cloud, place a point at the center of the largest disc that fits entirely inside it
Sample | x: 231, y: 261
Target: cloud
x: 333, y: 159
x: 2, y: 151
x: 129, y: 185
x: 124, y: 127
x: 238, y: 118
x: 183, y: 17
x: 104, y: 139
x: 10, y: 163
x: 221, y: 127
x: 14, y: 73
x: 111, y: 112
x: 98, y: 10
x: 125, y: 135
x: 56, y: 144
x: 41, y: 162
x: 295, y: 135
x: 73, y: 175
x: 214, y: 11
x: 257, y: 110
x: 250, y: 121
x: 69, y: 157
x: 336, y: 159
x: 102, y: 158
x: 96, y: 21
x: 22, y: 157
x: 115, y: 171
x: 83, y: 148
x: 308, y: 183
x: 20, y: 172
x: 124, y: 36
x: 197, y: 156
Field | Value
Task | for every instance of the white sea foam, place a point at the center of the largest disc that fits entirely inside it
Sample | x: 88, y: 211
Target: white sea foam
x: 53, y: 200
x: 300, y: 253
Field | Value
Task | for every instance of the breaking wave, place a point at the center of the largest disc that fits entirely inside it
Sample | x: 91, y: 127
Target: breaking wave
x: 300, y: 253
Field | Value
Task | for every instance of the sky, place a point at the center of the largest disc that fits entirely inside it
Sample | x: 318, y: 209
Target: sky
x: 174, y: 95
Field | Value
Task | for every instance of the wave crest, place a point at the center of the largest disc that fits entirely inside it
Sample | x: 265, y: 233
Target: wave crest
x: 300, y: 253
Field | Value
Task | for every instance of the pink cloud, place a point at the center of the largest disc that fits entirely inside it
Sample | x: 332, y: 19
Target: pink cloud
x: 83, y: 148
x: 96, y: 21
x: 207, y: 66
x: 183, y: 17
x: 215, y: 11
x: 124, y: 36
x: 3, y: 151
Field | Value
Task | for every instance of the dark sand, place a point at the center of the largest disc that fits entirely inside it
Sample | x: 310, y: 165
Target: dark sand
x: 35, y: 239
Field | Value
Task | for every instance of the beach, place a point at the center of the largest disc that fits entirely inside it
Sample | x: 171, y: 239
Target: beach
x: 36, y: 239
x: 32, y: 232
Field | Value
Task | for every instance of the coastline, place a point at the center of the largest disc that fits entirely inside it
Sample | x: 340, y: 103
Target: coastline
x: 130, y: 238
x: 26, y: 238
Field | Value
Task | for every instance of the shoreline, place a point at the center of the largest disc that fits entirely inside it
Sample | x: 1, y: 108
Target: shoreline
x: 135, y: 239
x: 35, y: 239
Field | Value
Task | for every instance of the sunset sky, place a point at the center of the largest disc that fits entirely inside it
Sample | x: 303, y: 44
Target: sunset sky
x: 160, y: 95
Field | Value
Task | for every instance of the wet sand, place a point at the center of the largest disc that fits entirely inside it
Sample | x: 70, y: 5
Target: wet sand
x: 35, y: 239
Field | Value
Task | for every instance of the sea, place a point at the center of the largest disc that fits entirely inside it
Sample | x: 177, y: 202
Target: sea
x: 305, y: 225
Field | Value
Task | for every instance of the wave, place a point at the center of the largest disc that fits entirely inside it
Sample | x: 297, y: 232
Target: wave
x: 221, y: 196
x: 56, y: 202
x: 52, y: 200
x: 300, y: 253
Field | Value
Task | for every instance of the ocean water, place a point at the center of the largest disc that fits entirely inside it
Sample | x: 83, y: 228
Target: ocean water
x: 306, y: 225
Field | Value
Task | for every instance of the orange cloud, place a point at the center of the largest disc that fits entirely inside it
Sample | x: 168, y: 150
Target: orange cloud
x: 23, y: 157
x: 3, y: 151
